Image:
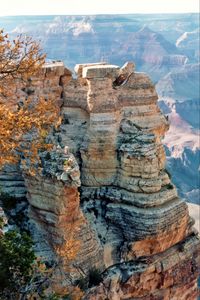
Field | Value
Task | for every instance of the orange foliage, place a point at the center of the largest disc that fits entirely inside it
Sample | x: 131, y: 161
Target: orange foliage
x: 19, y: 59
x: 70, y: 248
x: 67, y: 254
x: 75, y: 293
x: 25, y: 124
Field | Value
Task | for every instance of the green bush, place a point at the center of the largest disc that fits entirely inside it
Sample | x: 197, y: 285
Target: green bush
x: 8, y: 202
x: 16, y: 258
x: 82, y: 283
x: 94, y: 277
x: 170, y: 186
x: 52, y: 297
x: 18, y: 218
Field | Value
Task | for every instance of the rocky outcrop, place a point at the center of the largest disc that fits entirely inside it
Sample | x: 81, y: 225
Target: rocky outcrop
x: 126, y: 193
x: 62, y: 234
x: 168, y: 275
x: 128, y: 218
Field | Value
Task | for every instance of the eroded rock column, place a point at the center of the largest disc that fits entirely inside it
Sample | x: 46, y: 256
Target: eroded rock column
x: 98, y: 151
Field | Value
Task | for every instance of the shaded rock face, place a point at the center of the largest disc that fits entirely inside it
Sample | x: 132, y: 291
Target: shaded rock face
x: 46, y: 84
x: 130, y: 219
x: 60, y: 230
x: 12, y: 181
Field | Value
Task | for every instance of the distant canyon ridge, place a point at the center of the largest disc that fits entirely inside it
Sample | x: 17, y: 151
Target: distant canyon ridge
x: 165, y: 46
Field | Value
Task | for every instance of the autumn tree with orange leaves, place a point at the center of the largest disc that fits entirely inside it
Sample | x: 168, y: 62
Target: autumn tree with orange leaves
x: 23, y: 124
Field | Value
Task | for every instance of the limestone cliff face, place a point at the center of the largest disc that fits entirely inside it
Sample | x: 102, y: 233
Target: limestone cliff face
x: 132, y: 223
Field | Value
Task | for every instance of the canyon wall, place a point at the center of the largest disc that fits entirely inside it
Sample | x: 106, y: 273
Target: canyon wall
x: 109, y: 189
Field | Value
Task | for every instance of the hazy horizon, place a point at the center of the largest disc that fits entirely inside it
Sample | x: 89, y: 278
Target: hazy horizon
x: 110, y: 7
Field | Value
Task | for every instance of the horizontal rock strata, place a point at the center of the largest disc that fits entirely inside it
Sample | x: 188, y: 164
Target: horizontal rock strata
x: 126, y: 193
x: 59, y: 228
x: 131, y: 218
x: 12, y: 181
x: 168, y: 275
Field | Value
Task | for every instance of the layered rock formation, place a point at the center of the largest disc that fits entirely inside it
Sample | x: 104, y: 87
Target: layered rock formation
x: 62, y: 235
x: 131, y: 222
x: 12, y: 181
x: 169, y: 275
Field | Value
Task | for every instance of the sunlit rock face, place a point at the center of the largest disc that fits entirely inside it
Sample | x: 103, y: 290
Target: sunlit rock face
x: 168, y: 275
x: 126, y: 193
x: 109, y: 187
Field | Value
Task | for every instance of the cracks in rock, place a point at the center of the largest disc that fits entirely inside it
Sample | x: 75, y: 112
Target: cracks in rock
x: 123, y: 248
x: 100, y: 222
x: 16, y: 211
x: 121, y: 80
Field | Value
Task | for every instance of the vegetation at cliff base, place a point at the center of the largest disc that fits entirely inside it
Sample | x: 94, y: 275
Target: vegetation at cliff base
x: 16, y: 263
